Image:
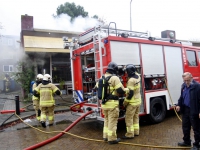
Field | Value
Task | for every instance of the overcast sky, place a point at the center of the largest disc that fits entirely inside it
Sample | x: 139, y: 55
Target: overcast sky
x: 152, y: 15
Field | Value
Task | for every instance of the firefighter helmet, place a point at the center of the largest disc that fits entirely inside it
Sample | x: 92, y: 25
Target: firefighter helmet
x: 39, y: 77
x: 113, y: 66
x: 130, y: 69
x: 47, y: 77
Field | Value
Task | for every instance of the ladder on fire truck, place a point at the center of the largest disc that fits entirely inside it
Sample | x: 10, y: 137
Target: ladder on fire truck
x: 101, y: 32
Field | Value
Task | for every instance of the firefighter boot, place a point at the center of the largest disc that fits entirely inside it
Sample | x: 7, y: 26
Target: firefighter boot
x: 43, y: 124
x: 125, y: 137
x: 105, y: 139
x: 115, y: 141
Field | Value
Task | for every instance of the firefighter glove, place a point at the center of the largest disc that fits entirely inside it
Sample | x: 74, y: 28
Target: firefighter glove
x: 126, y: 90
x: 125, y: 103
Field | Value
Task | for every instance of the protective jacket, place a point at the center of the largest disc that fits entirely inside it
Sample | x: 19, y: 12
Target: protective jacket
x: 134, y: 85
x: 194, y: 98
x: 34, y: 97
x: 46, y: 92
x: 115, y: 88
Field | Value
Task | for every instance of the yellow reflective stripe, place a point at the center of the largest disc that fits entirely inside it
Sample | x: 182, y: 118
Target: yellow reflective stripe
x: 41, y: 91
x: 110, y: 104
x: 136, y: 126
x: 55, y: 90
x: 35, y: 98
x: 133, y: 101
x: 118, y: 86
x: 105, y: 129
x: 37, y: 90
x: 136, y: 87
x: 47, y: 102
x: 131, y: 128
x: 109, y: 133
x: 102, y: 96
x: 130, y: 87
x: 43, y: 117
x: 133, y: 88
x: 51, y: 118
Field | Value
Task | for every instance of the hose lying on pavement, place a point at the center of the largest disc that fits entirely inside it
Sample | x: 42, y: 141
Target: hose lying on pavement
x: 73, y: 124
x: 57, y: 136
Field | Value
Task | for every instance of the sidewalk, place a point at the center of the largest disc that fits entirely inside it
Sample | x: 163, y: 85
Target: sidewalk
x: 7, y: 102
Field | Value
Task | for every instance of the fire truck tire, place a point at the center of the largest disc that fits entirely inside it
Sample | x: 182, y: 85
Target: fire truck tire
x: 157, y: 110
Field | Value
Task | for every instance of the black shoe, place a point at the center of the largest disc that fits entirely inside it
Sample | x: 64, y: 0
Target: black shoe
x: 105, y: 139
x: 115, y: 141
x: 43, y: 124
x: 125, y: 137
x: 184, y: 144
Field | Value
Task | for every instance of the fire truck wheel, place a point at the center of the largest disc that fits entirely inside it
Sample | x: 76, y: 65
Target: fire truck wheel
x: 157, y: 110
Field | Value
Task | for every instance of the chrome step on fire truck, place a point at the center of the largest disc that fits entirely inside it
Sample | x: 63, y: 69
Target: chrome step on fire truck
x: 160, y: 61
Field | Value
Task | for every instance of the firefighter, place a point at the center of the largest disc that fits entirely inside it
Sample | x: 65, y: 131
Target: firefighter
x: 35, y: 98
x: 132, y: 103
x: 7, y: 83
x: 111, y: 107
x: 47, y: 102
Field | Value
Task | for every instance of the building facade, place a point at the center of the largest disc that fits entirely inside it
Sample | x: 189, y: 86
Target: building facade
x: 45, y: 49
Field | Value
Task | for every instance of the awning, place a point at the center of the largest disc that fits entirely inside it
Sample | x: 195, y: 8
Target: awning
x: 44, y: 44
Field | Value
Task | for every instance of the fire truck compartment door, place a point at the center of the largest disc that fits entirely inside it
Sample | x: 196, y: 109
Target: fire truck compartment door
x: 124, y: 53
x: 174, y: 71
x: 152, y: 59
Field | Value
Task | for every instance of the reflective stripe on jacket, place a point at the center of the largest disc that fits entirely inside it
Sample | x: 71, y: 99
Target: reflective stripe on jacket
x: 134, y: 84
x: 46, y: 94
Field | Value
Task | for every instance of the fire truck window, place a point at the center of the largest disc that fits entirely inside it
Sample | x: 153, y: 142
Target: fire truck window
x: 191, y: 57
x: 61, y: 68
x: 199, y: 56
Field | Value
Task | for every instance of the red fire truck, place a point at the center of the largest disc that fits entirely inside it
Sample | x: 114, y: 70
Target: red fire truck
x: 160, y: 62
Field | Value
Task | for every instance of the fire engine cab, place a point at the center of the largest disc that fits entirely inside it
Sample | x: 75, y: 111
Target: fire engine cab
x: 160, y: 62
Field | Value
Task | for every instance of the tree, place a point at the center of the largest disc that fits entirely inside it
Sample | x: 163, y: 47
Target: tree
x: 25, y: 76
x: 72, y: 10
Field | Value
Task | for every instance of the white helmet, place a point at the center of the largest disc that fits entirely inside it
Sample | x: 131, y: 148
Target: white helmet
x: 47, y: 77
x: 39, y: 77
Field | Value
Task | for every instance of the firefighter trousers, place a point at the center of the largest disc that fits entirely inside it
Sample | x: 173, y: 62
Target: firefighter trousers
x: 36, y: 106
x: 132, y: 120
x: 110, y: 123
x: 47, y: 111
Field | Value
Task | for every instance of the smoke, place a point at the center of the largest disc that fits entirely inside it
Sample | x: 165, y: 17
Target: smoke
x: 62, y: 22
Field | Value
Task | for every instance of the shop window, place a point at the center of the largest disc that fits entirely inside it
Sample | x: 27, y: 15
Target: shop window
x: 61, y: 68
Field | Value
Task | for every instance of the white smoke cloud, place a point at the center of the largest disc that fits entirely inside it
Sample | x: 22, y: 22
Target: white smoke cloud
x: 62, y: 22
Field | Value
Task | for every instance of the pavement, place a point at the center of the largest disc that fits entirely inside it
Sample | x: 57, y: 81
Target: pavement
x: 7, y: 102
x: 15, y: 135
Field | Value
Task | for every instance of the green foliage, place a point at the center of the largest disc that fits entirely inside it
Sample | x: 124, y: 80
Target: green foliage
x: 25, y: 76
x: 95, y: 17
x: 72, y: 10
x: 62, y: 83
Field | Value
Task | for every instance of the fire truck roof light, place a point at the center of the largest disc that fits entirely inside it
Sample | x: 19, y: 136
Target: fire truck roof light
x: 152, y: 38
x: 105, y: 41
x: 172, y: 41
x: 124, y: 35
x: 65, y: 38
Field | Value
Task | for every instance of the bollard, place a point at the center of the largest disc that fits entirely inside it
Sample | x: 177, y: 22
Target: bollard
x: 17, y: 105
